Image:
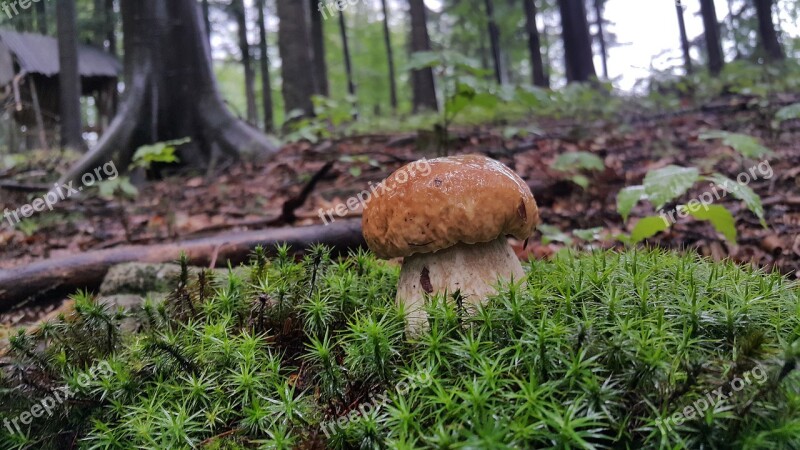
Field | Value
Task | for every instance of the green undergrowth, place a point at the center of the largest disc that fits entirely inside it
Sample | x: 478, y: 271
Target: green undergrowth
x: 597, y: 351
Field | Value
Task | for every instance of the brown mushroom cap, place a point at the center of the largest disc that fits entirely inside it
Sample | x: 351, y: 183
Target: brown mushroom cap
x: 428, y: 206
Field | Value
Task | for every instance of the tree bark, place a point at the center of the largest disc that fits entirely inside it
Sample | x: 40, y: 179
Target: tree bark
x: 207, y: 19
x: 577, y: 41
x: 318, y: 49
x: 41, y: 17
x: 69, y: 77
x: 387, y: 39
x: 266, y: 83
x: 716, y: 60
x: 494, y: 40
x: 348, y: 65
x: 598, y: 10
x: 768, y: 37
x: 685, y: 47
x: 240, y: 13
x: 171, y: 92
x: 62, y: 276
x: 294, y: 42
x: 535, y: 46
x: 424, y: 89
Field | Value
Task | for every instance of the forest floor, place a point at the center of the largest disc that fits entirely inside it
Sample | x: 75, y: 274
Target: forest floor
x: 251, y: 195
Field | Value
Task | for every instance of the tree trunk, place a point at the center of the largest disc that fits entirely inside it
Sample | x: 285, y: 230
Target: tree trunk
x: 768, y: 37
x: 535, y: 46
x: 111, y: 35
x: 240, y: 13
x: 685, y: 47
x: 598, y: 10
x: 318, y: 49
x: 716, y: 61
x: 494, y: 39
x: 266, y: 83
x: 171, y: 92
x: 86, y: 271
x: 577, y: 41
x: 424, y: 89
x: 387, y: 38
x: 294, y: 42
x: 207, y: 20
x: 41, y: 17
x: 69, y: 77
x: 348, y: 65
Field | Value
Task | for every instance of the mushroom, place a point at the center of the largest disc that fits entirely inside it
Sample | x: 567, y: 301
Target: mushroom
x: 450, y: 223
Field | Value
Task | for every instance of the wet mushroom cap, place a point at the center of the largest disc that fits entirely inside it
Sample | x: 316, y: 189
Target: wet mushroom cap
x: 428, y: 206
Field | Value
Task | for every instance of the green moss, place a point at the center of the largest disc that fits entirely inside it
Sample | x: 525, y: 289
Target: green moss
x: 598, y: 350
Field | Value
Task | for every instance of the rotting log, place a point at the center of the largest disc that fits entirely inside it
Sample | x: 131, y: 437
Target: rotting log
x: 86, y: 271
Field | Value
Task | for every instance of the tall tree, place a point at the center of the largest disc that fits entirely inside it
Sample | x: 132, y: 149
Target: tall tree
x: 111, y: 29
x: 577, y: 41
x: 598, y: 12
x: 69, y: 76
x: 266, y: 82
x: 423, y: 87
x: 240, y: 14
x: 348, y: 65
x: 535, y: 45
x: 768, y: 38
x: 716, y: 60
x: 207, y: 19
x: 294, y: 43
x: 41, y: 17
x: 387, y: 39
x: 171, y: 92
x: 318, y: 49
x: 494, y: 39
x: 685, y: 47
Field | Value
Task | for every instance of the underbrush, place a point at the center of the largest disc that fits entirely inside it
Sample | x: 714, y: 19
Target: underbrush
x: 598, y: 350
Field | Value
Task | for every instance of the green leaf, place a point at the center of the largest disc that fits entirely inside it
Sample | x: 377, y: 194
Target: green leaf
x: 592, y: 234
x: 647, y: 228
x: 580, y: 180
x: 553, y: 234
x: 742, y: 192
x: 355, y: 171
x: 664, y: 185
x: 788, y: 113
x: 720, y: 218
x: 628, y: 198
x: 747, y: 146
x: 423, y: 60
x: 567, y: 162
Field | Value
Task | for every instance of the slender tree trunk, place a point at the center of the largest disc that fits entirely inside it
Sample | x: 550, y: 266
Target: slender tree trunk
x: 41, y: 17
x: 387, y: 38
x: 266, y: 82
x: 111, y: 35
x: 598, y: 10
x: 294, y: 42
x: 768, y: 37
x: 240, y: 13
x: 494, y: 39
x: 171, y: 92
x: 207, y: 20
x: 348, y: 65
x: 318, y: 42
x: 69, y: 77
x: 424, y: 89
x: 685, y: 47
x: 534, y: 46
x: 577, y: 41
x: 716, y: 60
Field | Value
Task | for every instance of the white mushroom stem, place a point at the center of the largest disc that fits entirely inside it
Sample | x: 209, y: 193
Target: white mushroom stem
x: 474, y: 269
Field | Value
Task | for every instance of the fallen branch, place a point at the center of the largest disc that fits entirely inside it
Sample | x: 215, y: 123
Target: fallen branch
x: 86, y: 271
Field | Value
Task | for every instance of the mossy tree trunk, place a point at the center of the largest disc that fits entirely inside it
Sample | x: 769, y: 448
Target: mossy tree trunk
x: 171, y: 92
